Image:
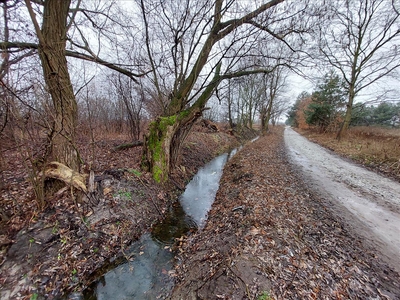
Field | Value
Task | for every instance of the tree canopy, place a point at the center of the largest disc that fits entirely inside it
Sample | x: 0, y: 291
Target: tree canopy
x: 164, y: 60
x: 328, y: 101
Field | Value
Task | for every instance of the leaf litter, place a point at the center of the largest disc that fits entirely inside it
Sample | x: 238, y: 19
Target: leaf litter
x: 268, y: 234
x: 64, y: 247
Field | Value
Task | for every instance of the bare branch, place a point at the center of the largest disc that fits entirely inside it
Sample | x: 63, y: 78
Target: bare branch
x: 277, y: 36
x: 35, y: 23
x: 95, y: 59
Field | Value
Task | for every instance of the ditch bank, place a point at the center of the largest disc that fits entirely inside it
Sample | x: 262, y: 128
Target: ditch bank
x: 61, y: 249
x: 268, y: 236
x: 147, y: 269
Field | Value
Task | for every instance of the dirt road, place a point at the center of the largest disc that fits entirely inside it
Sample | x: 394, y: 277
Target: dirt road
x: 270, y: 236
x: 368, y: 202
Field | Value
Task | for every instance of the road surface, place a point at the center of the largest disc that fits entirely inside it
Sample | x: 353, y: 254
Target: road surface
x: 366, y: 201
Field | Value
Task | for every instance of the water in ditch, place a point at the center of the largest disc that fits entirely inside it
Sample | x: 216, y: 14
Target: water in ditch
x: 147, y: 269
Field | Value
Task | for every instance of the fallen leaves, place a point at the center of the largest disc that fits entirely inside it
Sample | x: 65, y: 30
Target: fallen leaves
x: 79, y: 238
x: 265, y: 216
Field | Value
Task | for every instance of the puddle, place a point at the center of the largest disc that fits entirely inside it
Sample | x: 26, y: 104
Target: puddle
x: 147, y: 270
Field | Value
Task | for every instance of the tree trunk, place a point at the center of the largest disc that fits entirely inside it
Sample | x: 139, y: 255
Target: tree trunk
x: 230, y: 120
x: 52, y: 44
x: 166, y: 135
x: 347, y: 116
x: 265, y: 117
x: 163, y: 143
x: 263, y: 114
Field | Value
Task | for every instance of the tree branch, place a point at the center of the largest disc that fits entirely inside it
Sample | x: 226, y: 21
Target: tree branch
x: 264, y: 28
x: 35, y: 23
x: 95, y: 59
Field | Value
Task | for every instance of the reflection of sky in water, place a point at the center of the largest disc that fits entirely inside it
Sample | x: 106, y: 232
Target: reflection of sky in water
x: 200, y: 192
x: 146, y: 277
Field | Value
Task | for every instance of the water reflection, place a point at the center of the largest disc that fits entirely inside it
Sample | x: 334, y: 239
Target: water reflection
x: 175, y: 224
x: 148, y: 273
x: 147, y: 276
x: 200, y: 192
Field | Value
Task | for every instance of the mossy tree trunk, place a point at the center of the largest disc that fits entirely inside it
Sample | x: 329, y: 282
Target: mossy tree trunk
x: 163, y: 143
x: 166, y: 135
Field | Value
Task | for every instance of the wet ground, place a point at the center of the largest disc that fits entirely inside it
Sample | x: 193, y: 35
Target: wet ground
x: 272, y: 235
x: 147, y: 269
x: 367, y: 201
x: 51, y: 253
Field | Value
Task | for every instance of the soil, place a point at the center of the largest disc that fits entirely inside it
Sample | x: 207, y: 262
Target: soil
x: 270, y: 236
x: 57, y: 250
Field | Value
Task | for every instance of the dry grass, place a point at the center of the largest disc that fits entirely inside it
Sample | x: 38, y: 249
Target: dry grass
x: 374, y: 147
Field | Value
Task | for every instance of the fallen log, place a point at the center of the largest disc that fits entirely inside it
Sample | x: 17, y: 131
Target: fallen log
x: 61, y: 172
x: 128, y: 145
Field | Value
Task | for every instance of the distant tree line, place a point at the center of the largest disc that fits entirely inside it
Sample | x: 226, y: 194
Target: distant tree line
x: 325, y: 108
x: 385, y: 114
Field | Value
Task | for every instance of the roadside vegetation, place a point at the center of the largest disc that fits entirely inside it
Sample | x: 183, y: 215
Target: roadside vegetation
x: 377, y: 148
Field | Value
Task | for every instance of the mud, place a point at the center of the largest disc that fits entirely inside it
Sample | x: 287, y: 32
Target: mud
x: 368, y: 202
x: 269, y: 235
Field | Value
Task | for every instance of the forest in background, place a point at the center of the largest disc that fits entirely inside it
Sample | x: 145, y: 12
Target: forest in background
x: 151, y: 69
x: 106, y: 106
x: 325, y: 107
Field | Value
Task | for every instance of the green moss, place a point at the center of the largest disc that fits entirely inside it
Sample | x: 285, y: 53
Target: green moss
x: 157, y: 134
x: 166, y: 121
x: 183, y: 115
x: 157, y: 174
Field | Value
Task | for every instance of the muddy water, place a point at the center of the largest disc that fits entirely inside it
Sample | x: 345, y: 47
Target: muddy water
x: 147, y: 270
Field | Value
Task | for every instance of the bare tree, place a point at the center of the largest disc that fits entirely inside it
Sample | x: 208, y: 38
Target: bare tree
x: 361, y: 42
x: 189, y: 48
x: 52, y: 42
x: 132, y: 97
x: 274, y: 85
x: 9, y: 59
x: 281, y: 105
x: 207, y: 47
x: 90, y: 31
x: 250, y: 94
x: 226, y: 95
x: 50, y: 21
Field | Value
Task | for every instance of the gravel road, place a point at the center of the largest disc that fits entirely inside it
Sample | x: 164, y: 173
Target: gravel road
x: 366, y: 201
